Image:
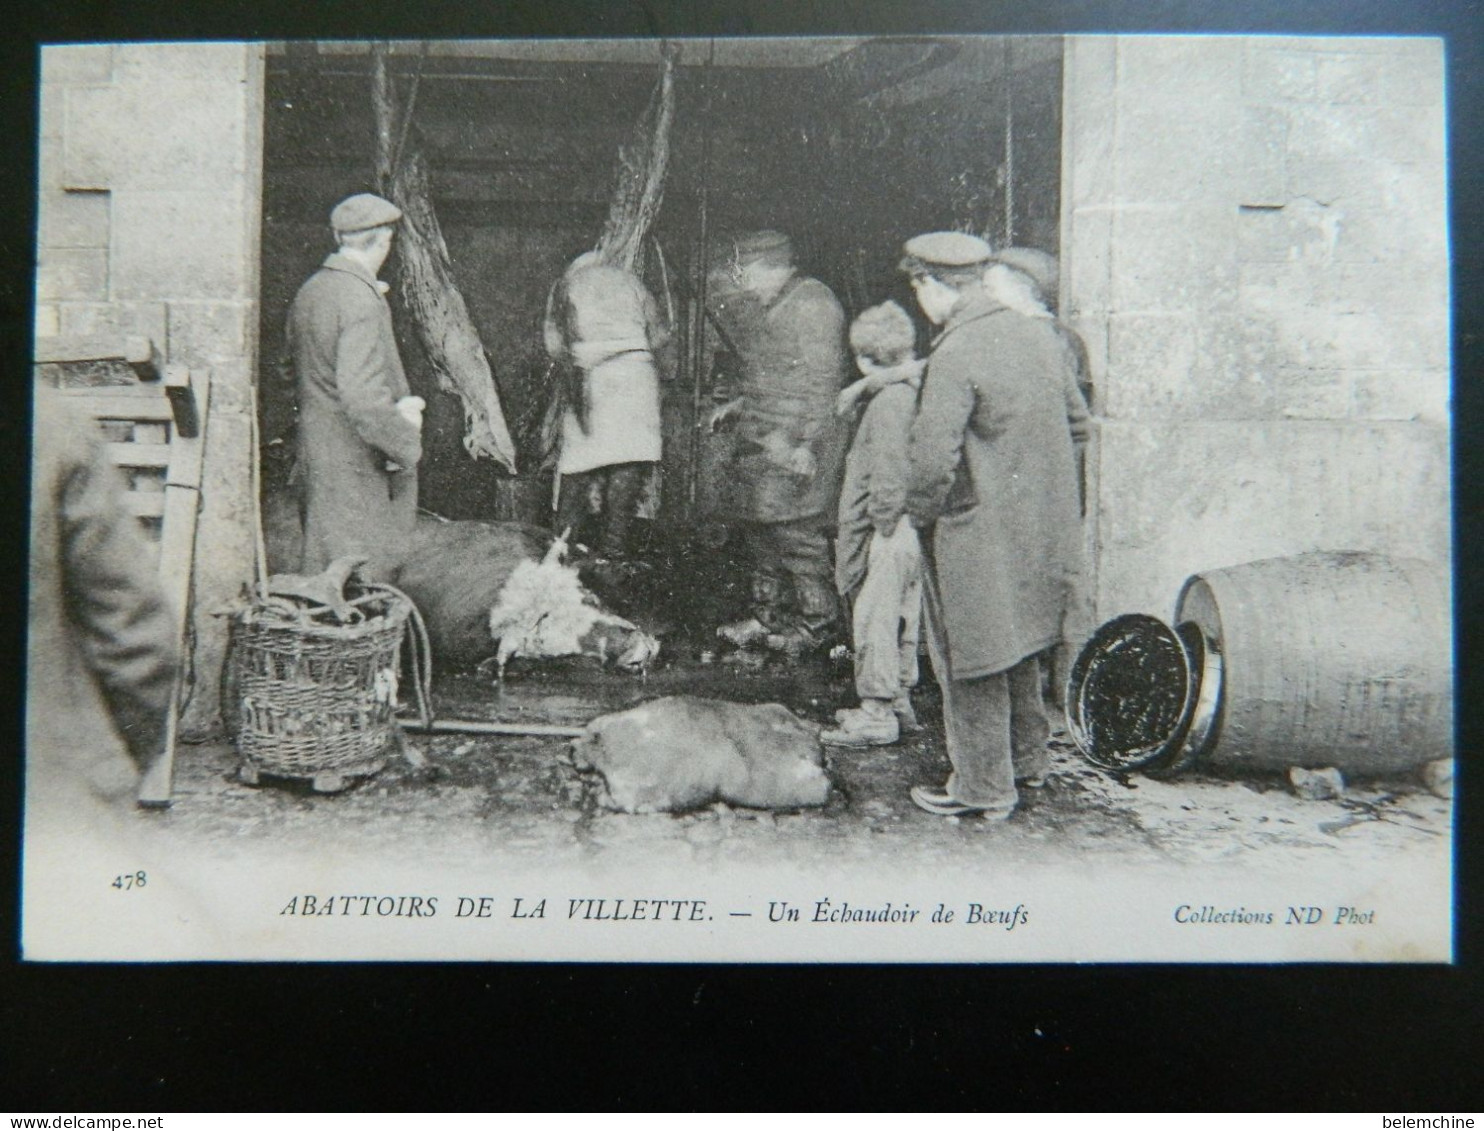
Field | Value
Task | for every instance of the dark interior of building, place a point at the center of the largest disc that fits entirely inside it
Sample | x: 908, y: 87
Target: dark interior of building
x: 849, y: 146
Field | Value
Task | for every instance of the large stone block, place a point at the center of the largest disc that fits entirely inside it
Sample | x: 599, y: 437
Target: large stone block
x: 1174, y: 258
x: 1270, y: 290
x: 164, y: 134
x: 1150, y: 369
x: 71, y: 273
x: 1273, y: 70
x: 1259, y: 171
x: 1088, y: 118
x: 1177, y: 497
x: 1087, y: 261
x: 1303, y: 230
x: 1312, y: 394
x: 1394, y: 394
x: 115, y: 319
x: 47, y: 322
x: 1399, y: 216
x: 1177, y: 147
x: 1413, y: 134
x: 1413, y: 288
x: 231, y: 390
x: 179, y: 245
x: 1321, y: 339
x: 1356, y: 78
x: 207, y: 333
x: 51, y: 106
x: 1327, y: 180
x: 147, y: 63
x: 76, y: 62
x: 1178, y: 69
x: 73, y: 219
x: 1414, y: 73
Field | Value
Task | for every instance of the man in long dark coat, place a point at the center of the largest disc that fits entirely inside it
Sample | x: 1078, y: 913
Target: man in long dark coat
x: 360, y: 433
x: 790, y: 445
x: 993, y: 473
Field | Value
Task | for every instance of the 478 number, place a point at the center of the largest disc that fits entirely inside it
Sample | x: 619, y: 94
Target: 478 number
x: 129, y: 881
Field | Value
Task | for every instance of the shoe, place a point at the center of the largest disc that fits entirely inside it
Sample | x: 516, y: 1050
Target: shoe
x: 858, y: 729
x: 743, y: 633
x: 1035, y: 781
x: 940, y: 804
x: 906, y: 717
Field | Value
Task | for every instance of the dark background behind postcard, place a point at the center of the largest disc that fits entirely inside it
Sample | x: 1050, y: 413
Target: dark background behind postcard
x: 498, y: 1037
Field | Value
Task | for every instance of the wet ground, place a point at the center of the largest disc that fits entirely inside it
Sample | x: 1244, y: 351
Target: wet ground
x: 521, y: 795
x: 479, y: 795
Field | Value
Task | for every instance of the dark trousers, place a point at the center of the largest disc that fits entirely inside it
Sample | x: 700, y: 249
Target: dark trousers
x: 793, y: 583
x: 619, y: 488
x: 995, y: 725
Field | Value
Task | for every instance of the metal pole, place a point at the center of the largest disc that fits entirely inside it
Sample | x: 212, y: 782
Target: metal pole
x: 1009, y: 148
x: 479, y: 726
x: 698, y: 319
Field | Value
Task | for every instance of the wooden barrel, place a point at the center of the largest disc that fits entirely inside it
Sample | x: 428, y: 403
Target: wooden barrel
x: 1329, y: 659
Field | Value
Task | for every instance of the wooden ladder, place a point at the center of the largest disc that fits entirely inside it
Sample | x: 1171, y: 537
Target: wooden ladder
x: 153, y: 421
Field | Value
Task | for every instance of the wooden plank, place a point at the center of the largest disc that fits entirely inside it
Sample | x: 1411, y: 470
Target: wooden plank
x: 146, y: 403
x: 177, y: 557
x: 138, y: 455
x: 135, y: 351
x: 182, y: 396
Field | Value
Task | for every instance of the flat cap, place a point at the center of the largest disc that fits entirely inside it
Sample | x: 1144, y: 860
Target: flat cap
x: 947, y: 249
x: 774, y: 247
x: 1038, y: 266
x: 362, y: 211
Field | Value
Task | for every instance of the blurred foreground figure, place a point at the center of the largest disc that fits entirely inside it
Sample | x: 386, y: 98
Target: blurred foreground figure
x: 101, y: 660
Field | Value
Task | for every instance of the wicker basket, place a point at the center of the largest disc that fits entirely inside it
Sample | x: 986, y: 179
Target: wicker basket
x: 314, y: 700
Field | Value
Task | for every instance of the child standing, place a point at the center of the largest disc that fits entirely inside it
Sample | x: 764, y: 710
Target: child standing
x: 878, y: 559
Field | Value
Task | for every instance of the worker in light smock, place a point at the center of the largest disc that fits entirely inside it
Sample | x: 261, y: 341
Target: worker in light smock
x: 604, y: 331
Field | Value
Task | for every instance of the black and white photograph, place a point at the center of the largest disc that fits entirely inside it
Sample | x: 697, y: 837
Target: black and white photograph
x: 869, y: 499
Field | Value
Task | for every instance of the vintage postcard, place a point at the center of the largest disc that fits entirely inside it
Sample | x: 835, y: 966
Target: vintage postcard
x: 932, y: 499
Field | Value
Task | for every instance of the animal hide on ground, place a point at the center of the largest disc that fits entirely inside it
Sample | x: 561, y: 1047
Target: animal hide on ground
x: 681, y: 752
x: 426, y: 283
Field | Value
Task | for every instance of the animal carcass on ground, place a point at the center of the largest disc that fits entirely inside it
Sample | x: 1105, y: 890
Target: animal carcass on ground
x: 682, y: 752
x: 490, y: 590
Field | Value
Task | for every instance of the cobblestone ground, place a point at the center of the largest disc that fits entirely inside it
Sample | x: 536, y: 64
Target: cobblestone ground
x: 482, y: 795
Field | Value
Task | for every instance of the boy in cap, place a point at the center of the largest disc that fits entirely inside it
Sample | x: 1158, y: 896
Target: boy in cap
x: 790, y: 444
x: 992, y: 475
x: 878, y: 559
x: 360, y: 430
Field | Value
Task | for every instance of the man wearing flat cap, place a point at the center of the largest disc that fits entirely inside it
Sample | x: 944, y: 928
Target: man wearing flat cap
x: 992, y: 475
x: 790, y: 444
x: 360, y: 432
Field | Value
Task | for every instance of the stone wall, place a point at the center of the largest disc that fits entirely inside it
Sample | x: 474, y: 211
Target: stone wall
x: 150, y: 205
x: 1255, y: 248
